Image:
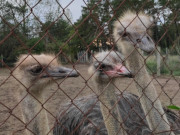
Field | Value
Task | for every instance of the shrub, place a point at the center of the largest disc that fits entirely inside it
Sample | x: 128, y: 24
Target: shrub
x: 168, y: 68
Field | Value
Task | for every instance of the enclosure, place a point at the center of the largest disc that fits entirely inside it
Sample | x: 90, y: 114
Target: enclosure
x: 74, y: 32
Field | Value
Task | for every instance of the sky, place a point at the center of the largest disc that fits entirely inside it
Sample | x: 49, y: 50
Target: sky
x: 45, y: 6
x: 40, y: 10
x: 75, y: 7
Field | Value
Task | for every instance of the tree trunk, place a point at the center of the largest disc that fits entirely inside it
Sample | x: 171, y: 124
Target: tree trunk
x: 2, y: 59
x: 158, y: 60
x: 167, y: 56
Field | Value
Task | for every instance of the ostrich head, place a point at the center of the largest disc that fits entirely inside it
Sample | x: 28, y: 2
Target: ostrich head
x: 38, y: 71
x: 133, y: 31
x: 108, y: 65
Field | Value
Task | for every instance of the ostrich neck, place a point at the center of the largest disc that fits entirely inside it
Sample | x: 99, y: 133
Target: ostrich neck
x: 109, y: 109
x: 34, y: 115
x: 151, y: 105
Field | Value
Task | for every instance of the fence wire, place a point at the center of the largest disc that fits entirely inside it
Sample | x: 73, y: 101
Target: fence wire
x: 97, y: 75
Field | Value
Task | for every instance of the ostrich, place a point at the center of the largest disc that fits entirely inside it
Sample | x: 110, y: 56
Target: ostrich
x: 111, y: 68
x: 84, y: 116
x: 36, y: 72
x: 131, y: 33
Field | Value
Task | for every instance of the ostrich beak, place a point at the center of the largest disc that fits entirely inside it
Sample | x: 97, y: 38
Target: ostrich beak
x: 147, y: 44
x: 119, y: 70
x: 61, y: 72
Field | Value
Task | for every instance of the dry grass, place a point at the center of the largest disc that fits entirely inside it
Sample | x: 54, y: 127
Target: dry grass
x: 167, y: 87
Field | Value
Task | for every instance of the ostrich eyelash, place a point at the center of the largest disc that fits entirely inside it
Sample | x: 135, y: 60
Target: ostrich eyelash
x: 125, y: 35
x: 36, y: 70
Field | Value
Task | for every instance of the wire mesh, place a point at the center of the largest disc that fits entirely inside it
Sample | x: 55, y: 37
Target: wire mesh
x: 83, y: 96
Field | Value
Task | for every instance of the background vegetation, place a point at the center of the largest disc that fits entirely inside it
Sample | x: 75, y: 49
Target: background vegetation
x: 22, y: 32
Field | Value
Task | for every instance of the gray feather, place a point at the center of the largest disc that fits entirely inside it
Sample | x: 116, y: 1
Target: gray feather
x: 84, y: 117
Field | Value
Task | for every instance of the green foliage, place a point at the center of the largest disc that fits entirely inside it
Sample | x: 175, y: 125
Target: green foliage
x: 171, y: 67
x: 166, y: 70
x: 174, y: 64
x: 92, y: 31
x: 173, y: 107
x: 60, y: 30
x: 10, y: 47
x: 136, y: 5
x: 151, y: 66
x: 35, y: 45
x: 57, y: 46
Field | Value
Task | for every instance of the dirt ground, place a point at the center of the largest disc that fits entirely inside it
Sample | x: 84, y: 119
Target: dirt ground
x: 10, y: 119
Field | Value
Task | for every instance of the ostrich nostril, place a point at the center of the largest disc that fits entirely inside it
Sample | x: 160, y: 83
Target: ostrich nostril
x: 138, y: 40
x: 148, y: 38
x: 62, y: 71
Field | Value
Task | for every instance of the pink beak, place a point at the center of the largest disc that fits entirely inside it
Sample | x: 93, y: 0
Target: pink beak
x: 119, y: 70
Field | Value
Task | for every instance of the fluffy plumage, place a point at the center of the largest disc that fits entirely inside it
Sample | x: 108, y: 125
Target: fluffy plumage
x: 132, y: 40
x: 36, y: 73
x: 85, y: 118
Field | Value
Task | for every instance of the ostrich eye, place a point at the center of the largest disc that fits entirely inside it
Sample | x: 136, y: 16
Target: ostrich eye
x: 138, y: 40
x: 36, y: 70
x: 105, y: 67
x: 125, y: 34
x: 102, y: 66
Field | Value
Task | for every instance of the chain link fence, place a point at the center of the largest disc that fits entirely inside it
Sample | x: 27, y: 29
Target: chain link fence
x: 112, y: 68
